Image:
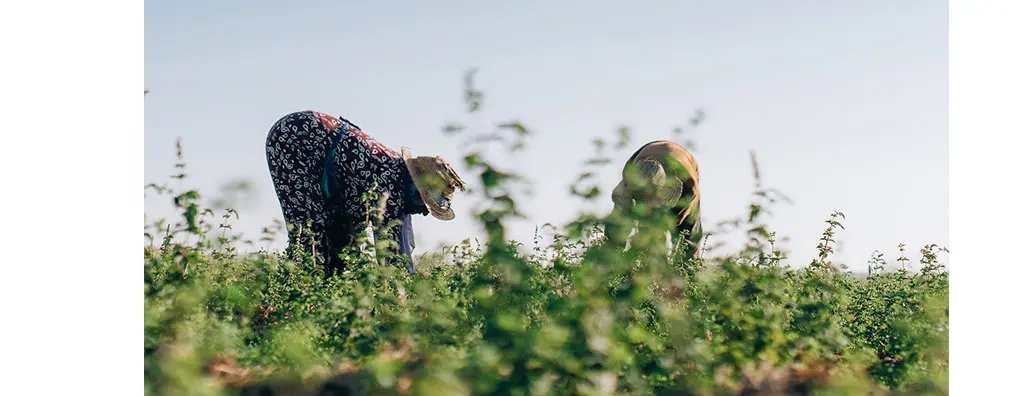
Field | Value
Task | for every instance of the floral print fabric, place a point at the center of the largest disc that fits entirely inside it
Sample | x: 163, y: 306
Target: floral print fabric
x: 297, y: 147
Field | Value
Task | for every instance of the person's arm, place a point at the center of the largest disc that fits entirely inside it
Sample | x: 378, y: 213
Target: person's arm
x: 398, y: 230
x: 406, y: 240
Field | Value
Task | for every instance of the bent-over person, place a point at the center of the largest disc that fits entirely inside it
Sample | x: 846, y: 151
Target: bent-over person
x: 322, y: 166
x: 659, y: 179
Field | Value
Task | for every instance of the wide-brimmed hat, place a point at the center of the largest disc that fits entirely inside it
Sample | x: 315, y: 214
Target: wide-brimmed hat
x: 664, y: 190
x: 436, y: 181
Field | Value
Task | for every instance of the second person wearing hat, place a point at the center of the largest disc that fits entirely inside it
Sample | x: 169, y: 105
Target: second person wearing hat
x: 322, y: 166
x: 663, y: 178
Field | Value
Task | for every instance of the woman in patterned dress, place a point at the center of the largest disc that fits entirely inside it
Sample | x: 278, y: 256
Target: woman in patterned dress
x: 322, y: 166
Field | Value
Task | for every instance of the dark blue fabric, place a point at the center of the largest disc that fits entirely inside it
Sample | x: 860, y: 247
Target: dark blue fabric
x: 329, y: 181
x: 414, y: 201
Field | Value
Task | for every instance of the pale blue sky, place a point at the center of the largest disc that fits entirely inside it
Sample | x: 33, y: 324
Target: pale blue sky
x: 845, y: 102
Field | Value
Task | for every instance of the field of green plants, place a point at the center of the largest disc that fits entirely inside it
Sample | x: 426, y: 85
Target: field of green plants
x: 576, y: 316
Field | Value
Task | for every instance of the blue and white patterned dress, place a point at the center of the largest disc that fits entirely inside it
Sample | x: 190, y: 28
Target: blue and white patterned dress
x: 321, y: 167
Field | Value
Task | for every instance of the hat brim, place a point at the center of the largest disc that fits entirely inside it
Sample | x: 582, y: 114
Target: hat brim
x: 669, y: 193
x: 417, y: 174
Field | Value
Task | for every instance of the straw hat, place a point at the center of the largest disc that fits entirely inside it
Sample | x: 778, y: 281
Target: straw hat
x: 436, y: 181
x: 666, y: 189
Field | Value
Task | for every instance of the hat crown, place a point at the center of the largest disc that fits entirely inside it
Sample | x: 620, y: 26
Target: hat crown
x: 436, y: 181
x: 652, y: 181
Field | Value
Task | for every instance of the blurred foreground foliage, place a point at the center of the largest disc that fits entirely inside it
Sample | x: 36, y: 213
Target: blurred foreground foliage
x: 573, y: 317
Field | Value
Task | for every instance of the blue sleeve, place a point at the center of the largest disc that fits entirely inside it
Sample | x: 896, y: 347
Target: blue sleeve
x: 406, y: 240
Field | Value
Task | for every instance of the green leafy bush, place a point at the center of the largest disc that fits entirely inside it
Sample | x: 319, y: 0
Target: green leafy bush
x: 575, y: 317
